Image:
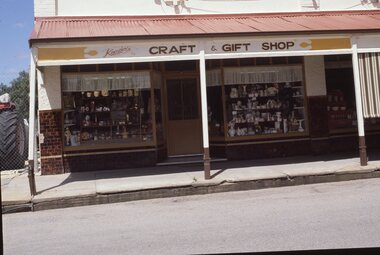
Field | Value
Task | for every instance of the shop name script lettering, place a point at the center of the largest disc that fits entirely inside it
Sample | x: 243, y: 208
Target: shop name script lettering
x: 115, y: 52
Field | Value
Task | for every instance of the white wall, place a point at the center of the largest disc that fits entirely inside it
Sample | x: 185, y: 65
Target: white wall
x: 44, y: 8
x: 315, y: 78
x: 349, y: 5
x: 49, y: 93
x: 162, y: 7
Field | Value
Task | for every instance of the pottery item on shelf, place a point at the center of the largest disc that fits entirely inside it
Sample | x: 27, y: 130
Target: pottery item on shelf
x: 272, y: 91
x: 130, y: 92
x: 85, y: 136
x: 104, y: 92
x: 124, y: 133
x: 285, y: 122
x: 74, y: 140
x: 300, y: 128
x: 89, y: 94
x: 92, y: 106
x: 277, y: 125
x: 231, y: 129
x: 244, y: 92
x: 67, y: 120
x: 136, y: 92
x: 239, y: 105
x: 87, y: 120
x: 234, y: 93
x: 231, y: 132
x: 96, y: 93
x: 67, y: 136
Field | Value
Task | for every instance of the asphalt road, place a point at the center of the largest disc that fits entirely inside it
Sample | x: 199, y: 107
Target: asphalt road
x: 333, y: 215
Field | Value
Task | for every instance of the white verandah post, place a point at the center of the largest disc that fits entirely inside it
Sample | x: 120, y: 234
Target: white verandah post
x: 203, y: 85
x: 359, y: 105
x: 32, y: 123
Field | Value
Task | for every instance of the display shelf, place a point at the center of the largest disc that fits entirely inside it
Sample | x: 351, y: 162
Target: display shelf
x: 96, y: 126
x: 265, y: 109
x: 125, y: 118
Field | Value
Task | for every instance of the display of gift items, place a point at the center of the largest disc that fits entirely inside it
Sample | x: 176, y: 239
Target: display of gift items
x: 108, y: 116
x: 340, y: 114
x: 257, y: 109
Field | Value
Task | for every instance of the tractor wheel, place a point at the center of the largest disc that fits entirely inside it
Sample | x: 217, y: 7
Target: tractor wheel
x: 13, y: 141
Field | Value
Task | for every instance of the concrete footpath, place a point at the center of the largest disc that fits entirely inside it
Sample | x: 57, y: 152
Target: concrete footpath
x: 89, y: 188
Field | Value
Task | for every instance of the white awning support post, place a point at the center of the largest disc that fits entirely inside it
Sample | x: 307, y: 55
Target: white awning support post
x: 203, y: 85
x: 32, y: 124
x: 359, y: 105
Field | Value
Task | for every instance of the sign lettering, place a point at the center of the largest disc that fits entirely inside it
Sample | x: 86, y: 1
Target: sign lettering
x: 273, y: 46
x: 233, y: 47
x: 170, y: 50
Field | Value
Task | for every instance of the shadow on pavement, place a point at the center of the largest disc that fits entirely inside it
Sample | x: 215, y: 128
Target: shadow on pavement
x: 217, y: 167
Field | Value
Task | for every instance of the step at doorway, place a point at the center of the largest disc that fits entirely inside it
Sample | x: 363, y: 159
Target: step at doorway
x: 187, y: 159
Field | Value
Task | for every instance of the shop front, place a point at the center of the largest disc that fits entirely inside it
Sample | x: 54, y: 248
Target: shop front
x: 131, y: 102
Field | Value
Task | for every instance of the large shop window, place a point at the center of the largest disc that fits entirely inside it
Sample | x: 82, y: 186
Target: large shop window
x: 264, y: 101
x: 341, y: 96
x: 215, y: 104
x: 111, y: 109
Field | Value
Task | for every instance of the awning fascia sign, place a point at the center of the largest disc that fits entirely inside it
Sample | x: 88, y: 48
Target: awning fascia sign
x: 368, y: 43
x: 169, y: 50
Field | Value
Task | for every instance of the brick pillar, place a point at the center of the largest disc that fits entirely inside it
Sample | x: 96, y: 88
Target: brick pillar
x: 318, y: 122
x: 51, y: 142
x: 317, y: 101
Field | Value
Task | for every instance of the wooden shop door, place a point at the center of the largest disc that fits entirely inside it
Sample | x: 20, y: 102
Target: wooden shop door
x: 184, y: 126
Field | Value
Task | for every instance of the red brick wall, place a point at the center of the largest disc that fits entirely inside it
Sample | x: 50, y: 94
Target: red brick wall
x: 51, y: 145
x: 51, y: 166
x: 318, y: 124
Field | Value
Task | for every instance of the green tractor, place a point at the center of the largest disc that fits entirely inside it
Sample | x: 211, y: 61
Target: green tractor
x: 13, y: 136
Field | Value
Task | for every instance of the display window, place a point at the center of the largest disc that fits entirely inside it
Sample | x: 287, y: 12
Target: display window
x: 341, y: 106
x: 262, y: 101
x: 110, y: 109
x: 215, y: 104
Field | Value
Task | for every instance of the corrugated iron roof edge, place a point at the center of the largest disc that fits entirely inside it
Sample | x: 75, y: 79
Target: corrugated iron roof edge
x: 113, y: 38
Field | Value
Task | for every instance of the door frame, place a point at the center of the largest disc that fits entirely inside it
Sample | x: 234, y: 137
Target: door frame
x: 180, y: 76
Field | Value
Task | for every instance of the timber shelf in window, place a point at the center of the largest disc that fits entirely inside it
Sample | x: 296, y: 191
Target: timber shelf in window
x: 109, y: 110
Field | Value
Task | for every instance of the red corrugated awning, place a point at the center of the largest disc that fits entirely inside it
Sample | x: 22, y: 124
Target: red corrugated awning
x: 63, y: 28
